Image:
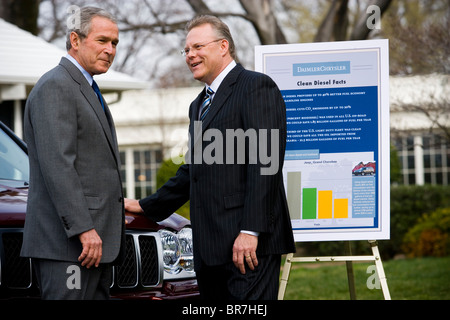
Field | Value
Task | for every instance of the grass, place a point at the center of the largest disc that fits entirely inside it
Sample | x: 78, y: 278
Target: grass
x: 408, y: 279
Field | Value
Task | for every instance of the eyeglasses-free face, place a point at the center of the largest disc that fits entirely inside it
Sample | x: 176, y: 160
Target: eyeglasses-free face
x: 95, y: 52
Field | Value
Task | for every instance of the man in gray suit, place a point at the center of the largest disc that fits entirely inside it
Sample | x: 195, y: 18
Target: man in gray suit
x: 238, y: 208
x: 74, y: 228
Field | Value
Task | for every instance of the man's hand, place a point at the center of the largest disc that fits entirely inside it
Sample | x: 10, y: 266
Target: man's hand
x: 92, y: 248
x: 133, y: 206
x: 244, y: 251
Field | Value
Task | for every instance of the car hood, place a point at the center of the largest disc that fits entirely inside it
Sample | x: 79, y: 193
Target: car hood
x: 140, y: 222
x: 13, y: 203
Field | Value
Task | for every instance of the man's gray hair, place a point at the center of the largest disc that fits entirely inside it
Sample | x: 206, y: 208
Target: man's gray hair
x: 86, y: 14
x: 220, y: 28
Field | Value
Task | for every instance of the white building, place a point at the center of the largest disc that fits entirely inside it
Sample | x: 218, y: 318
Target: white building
x: 420, y: 127
x: 24, y: 58
x: 152, y: 125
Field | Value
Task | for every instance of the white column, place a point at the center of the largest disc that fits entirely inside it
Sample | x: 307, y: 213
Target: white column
x: 16, y: 93
x: 18, y: 118
x: 418, y: 160
x: 129, y: 172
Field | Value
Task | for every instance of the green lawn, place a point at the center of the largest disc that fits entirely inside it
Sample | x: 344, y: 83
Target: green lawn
x: 408, y: 279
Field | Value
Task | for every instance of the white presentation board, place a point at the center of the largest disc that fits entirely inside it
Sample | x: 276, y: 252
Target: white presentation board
x: 336, y: 168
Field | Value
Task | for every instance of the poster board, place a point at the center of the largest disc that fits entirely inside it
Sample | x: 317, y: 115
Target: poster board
x: 336, y: 168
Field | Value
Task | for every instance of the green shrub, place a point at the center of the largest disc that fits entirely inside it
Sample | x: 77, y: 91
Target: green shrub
x: 396, y: 175
x: 408, y: 204
x: 168, y: 170
x: 430, y: 235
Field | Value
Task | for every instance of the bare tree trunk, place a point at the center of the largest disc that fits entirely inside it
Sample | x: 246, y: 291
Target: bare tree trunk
x: 334, y: 26
x: 361, y: 31
x: 199, y: 7
x: 260, y: 14
x: 22, y: 13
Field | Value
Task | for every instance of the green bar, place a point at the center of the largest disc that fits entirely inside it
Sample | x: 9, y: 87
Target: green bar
x: 309, y: 203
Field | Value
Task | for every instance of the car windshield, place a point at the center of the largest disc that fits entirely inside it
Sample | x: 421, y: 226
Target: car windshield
x: 13, y: 160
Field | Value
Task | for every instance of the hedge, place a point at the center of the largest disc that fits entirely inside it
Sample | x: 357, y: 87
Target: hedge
x: 408, y: 204
x: 430, y: 235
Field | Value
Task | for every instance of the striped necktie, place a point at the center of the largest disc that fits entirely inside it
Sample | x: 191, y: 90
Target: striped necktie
x: 99, y: 95
x: 206, y: 103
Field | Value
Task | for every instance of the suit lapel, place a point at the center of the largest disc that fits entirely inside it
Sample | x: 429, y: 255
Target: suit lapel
x: 222, y: 94
x: 104, y: 117
x: 195, y: 106
x: 113, y: 141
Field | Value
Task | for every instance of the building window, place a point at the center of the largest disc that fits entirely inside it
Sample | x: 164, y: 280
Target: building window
x: 405, y: 150
x: 139, y: 169
x: 434, y: 151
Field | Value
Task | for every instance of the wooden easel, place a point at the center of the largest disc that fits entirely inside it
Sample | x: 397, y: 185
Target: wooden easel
x: 348, y: 259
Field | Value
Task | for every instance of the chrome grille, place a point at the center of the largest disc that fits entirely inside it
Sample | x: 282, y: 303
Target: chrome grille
x: 141, y: 262
x: 149, y: 261
x: 15, y: 271
x: 127, y: 272
x: 140, y: 267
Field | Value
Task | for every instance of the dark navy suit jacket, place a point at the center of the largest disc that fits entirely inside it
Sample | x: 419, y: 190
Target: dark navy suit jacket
x: 232, y: 193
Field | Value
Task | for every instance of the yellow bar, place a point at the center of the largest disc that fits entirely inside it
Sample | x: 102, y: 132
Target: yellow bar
x: 325, y: 205
x: 340, y: 208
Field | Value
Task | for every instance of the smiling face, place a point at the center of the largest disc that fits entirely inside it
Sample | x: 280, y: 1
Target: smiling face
x: 96, y: 52
x: 207, y: 54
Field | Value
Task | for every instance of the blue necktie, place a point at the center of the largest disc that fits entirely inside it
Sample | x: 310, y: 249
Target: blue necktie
x: 97, y: 91
x: 206, y: 103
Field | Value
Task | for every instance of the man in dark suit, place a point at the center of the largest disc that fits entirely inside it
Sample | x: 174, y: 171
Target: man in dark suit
x: 74, y: 226
x: 239, y: 213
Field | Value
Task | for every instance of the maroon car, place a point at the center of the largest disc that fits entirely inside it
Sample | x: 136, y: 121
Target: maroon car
x: 158, y: 263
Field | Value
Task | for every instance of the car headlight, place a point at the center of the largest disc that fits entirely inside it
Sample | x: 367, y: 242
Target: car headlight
x: 177, y: 250
x: 171, y: 251
x: 186, y: 248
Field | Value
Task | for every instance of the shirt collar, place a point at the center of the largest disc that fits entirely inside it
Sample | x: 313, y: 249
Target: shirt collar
x: 218, y: 80
x: 86, y: 74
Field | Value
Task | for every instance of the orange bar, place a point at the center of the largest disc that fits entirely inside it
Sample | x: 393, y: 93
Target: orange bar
x: 340, y: 208
x: 325, y: 205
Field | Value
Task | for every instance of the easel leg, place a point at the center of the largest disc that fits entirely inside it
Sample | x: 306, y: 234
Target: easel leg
x: 350, y: 274
x: 380, y: 270
x: 285, y: 276
x: 348, y: 259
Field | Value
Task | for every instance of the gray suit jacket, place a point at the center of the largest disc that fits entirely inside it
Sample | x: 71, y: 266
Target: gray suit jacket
x: 75, y: 180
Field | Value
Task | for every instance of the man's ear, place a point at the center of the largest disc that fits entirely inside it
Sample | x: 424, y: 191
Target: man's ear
x: 75, y: 40
x: 224, y: 45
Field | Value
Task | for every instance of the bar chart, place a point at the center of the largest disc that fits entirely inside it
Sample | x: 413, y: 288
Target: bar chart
x: 313, y: 203
x: 322, y: 193
x: 320, y: 204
